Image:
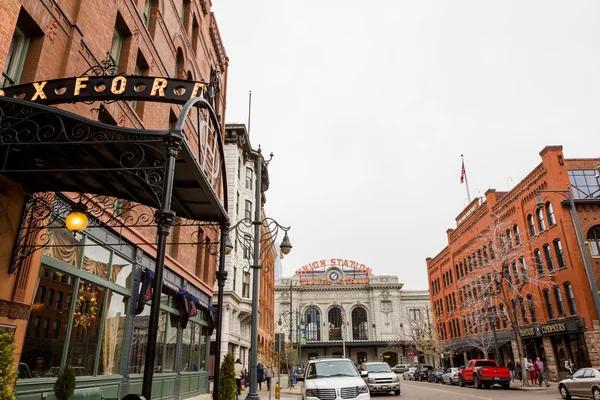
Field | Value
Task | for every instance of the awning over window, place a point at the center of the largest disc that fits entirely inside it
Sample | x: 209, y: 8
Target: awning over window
x: 48, y: 149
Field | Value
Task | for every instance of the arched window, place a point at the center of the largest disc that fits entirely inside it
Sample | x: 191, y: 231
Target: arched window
x: 312, y: 318
x: 516, y: 235
x: 491, y: 247
x: 335, y: 323
x: 360, y: 326
x: 180, y: 72
x: 550, y: 214
x: 540, y: 219
x: 531, y: 225
x: 462, y: 272
x: 593, y: 238
x: 509, y: 238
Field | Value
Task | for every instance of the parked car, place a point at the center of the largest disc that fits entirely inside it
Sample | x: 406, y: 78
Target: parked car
x: 400, y: 368
x: 381, y: 378
x: 585, y: 382
x: 409, y: 374
x: 451, y: 376
x: 484, y: 373
x: 422, y: 372
x: 435, y: 375
x: 326, y: 377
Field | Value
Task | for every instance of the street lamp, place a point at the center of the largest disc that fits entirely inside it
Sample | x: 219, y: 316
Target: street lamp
x: 299, y: 323
x: 252, y: 243
x: 587, y: 263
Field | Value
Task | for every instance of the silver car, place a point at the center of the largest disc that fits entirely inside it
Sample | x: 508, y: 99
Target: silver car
x: 451, y: 376
x: 409, y: 374
x: 381, y: 378
x: 585, y: 382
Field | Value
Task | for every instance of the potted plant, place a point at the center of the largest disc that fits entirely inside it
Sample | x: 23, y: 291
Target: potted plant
x: 8, y: 374
x: 65, y: 383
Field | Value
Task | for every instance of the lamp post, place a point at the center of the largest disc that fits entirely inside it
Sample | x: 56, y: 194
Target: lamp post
x: 255, y: 248
x: 587, y: 263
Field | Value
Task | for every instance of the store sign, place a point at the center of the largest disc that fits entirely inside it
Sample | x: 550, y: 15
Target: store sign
x: 346, y: 281
x: 533, y: 331
x: 554, y: 328
x: 334, y: 262
x: 108, y: 87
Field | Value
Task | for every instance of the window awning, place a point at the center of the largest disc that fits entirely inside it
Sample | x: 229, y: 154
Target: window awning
x: 47, y: 149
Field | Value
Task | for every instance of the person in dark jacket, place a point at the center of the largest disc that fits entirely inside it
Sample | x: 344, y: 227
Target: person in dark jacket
x: 259, y: 376
x: 511, y: 369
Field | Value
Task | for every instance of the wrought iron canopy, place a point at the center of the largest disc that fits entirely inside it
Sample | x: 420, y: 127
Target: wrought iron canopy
x: 48, y: 149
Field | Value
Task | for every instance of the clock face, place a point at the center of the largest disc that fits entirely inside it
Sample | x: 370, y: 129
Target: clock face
x: 334, y: 276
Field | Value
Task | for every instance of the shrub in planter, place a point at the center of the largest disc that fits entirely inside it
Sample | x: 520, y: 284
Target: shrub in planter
x: 8, y: 373
x: 65, y: 383
x: 227, y: 387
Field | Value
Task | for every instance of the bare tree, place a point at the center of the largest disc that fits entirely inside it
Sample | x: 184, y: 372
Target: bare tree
x: 503, y: 280
x: 477, y: 331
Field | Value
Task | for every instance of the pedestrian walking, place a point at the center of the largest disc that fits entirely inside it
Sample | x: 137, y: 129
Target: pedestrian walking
x: 268, y: 376
x: 259, y: 376
x: 519, y: 371
x: 531, y: 371
x: 239, y: 370
x: 511, y: 370
x: 539, y: 367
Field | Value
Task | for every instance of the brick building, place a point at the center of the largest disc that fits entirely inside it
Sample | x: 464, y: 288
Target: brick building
x: 540, y: 268
x: 74, y: 301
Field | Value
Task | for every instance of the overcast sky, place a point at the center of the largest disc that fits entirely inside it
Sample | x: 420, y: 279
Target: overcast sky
x: 368, y: 106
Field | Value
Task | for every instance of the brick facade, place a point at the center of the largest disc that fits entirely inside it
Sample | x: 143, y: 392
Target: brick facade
x: 448, y: 271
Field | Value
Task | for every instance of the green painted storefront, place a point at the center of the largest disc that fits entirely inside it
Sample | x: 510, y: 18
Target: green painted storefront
x: 85, y: 313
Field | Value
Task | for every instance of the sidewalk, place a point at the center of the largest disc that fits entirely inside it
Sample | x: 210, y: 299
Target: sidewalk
x: 286, y: 393
x: 518, y: 385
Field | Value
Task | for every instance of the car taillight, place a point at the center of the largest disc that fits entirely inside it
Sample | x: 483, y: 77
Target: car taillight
x: 456, y: 374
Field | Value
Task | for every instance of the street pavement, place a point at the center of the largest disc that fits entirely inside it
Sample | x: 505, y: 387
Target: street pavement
x: 427, y: 391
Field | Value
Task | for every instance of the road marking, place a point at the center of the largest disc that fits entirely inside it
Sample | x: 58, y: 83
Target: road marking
x: 448, y: 391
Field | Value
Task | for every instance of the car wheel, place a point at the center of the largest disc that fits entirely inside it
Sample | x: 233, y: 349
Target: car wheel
x: 461, y: 383
x: 596, y: 393
x: 476, y: 383
x: 397, y: 392
x: 506, y: 386
x: 451, y: 382
x: 564, y: 392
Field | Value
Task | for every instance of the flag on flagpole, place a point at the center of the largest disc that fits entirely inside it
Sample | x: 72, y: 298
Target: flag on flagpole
x: 343, y: 320
x: 463, y: 172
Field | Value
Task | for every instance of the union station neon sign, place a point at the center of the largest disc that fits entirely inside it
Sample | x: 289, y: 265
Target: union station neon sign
x: 334, y: 262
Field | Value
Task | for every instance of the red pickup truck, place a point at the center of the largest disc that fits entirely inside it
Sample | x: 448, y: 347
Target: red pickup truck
x: 483, y: 374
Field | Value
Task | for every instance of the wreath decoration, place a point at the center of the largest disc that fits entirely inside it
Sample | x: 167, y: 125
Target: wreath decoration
x: 87, y: 307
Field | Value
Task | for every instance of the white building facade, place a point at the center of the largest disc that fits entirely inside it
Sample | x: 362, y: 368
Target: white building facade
x: 378, y: 314
x: 237, y: 302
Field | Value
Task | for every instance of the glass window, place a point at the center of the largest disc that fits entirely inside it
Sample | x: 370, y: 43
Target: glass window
x: 560, y: 306
x: 139, y: 340
x: 96, y: 258
x: 540, y: 219
x: 160, y: 342
x: 414, y: 314
x: 203, y: 347
x: 515, y: 272
x: 15, y: 59
x: 171, y: 344
x: 249, y: 178
x: 579, y: 373
x: 531, y: 304
x: 246, y: 285
x: 531, y: 225
x: 548, y: 302
x: 560, y: 256
x: 312, y: 318
x: 491, y: 247
x: 548, y: 255
x: 83, y: 345
x: 147, y: 12
x: 524, y: 273
x: 115, y: 47
x: 234, y: 278
x: 538, y: 261
x: 516, y: 235
x: 113, y: 335
x: 248, y: 210
x: 570, y: 298
x: 360, y: 326
x: 237, y: 203
x: 593, y: 238
x: 186, y: 347
x: 43, y: 357
x: 584, y: 184
x: 195, y: 351
x: 550, y: 214
x: 335, y: 323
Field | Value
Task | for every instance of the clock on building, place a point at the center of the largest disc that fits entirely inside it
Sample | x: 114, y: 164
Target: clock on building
x: 334, y: 276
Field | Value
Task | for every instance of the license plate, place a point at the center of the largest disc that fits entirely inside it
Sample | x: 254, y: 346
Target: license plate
x: 497, y: 379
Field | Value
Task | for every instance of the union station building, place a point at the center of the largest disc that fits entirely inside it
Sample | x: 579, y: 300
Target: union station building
x: 338, y: 307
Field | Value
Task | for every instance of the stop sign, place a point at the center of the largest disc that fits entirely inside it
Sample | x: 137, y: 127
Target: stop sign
x: 410, y: 353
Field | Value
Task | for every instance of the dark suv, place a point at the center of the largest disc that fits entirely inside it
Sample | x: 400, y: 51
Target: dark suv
x: 422, y: 372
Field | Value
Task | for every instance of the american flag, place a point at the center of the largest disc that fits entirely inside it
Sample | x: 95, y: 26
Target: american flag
x: 343, y: 319
x: 463, y: 172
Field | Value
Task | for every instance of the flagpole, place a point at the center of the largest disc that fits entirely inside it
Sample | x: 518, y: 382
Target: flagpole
x: 344, y: 335
x: 466, y: 180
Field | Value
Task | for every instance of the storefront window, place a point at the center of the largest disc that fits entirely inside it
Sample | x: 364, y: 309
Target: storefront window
x: 160, y: 341
x: 112, y: 338
x: 195, y: 350
x: 186, y: 344
x: 171, y: 344
x: 89, y: 305
x: 139, y: 340
x: 203, y: 338
x: 42, y: 351
x: 96, y: 259
x: 121, y: 271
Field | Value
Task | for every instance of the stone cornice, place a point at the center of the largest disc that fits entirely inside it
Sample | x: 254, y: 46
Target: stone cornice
x: 14, y: 310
